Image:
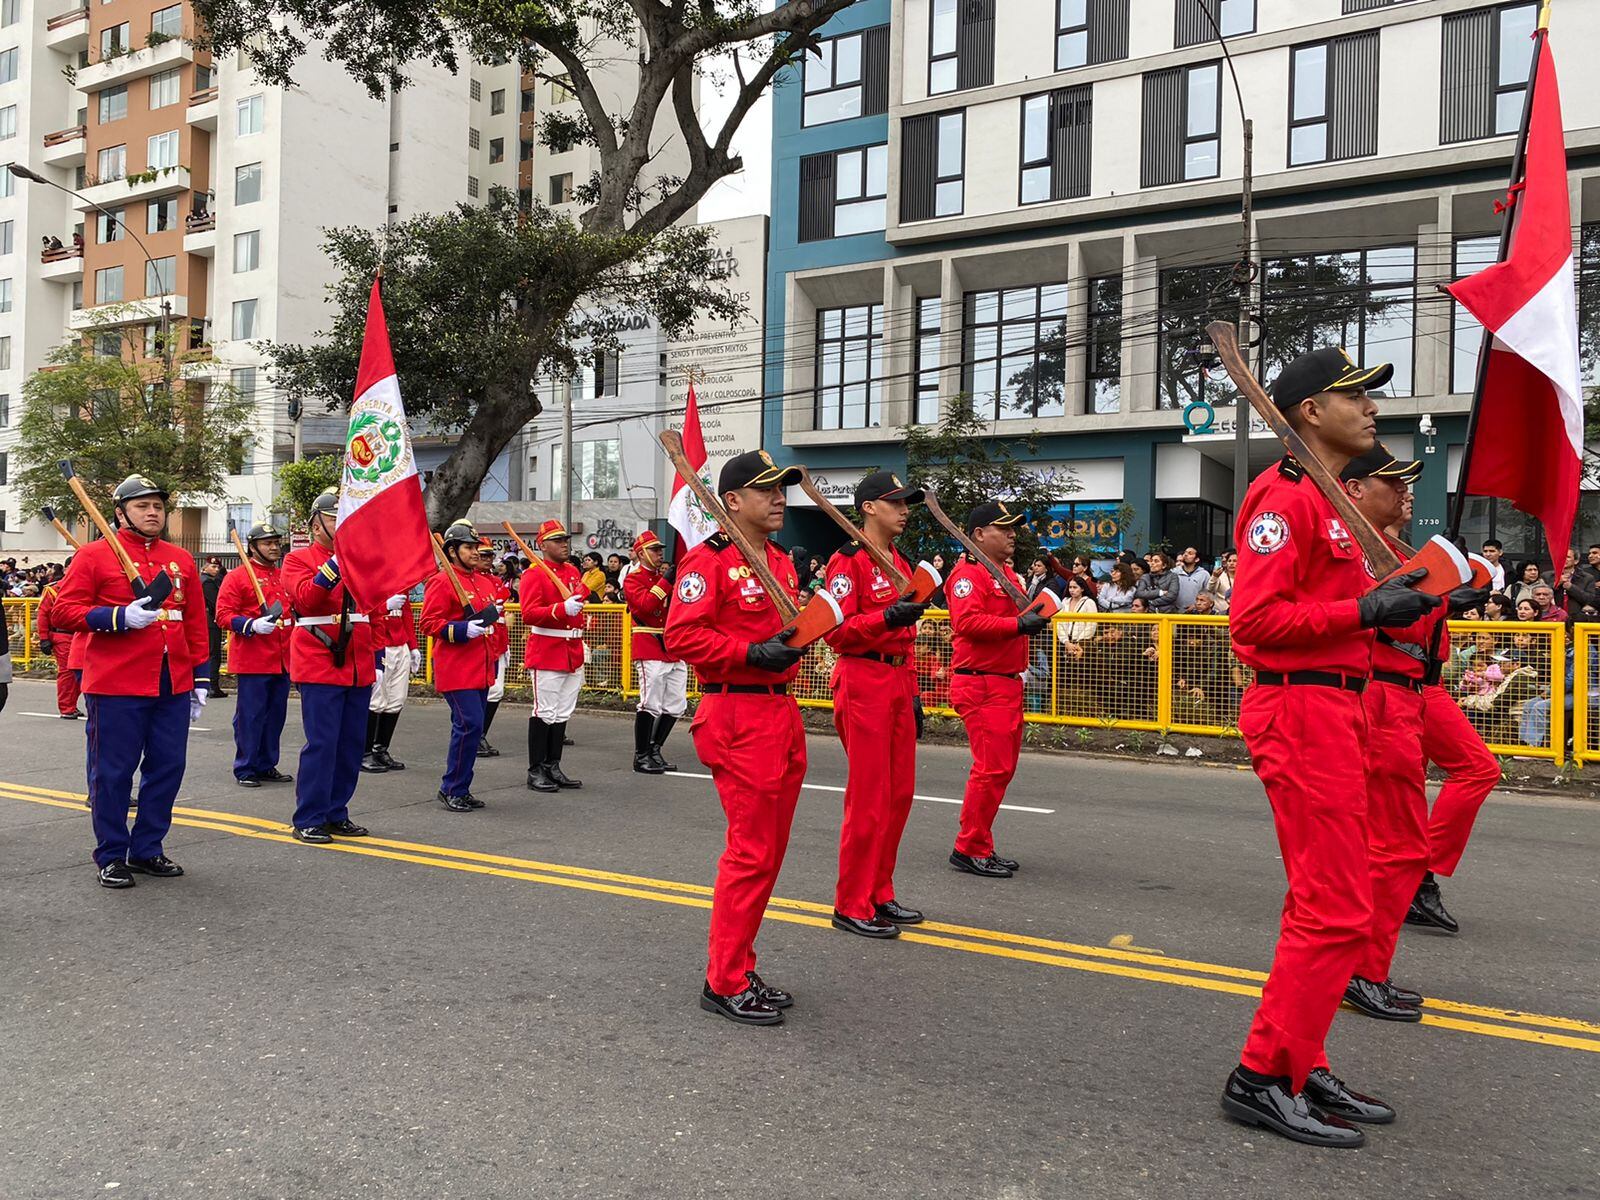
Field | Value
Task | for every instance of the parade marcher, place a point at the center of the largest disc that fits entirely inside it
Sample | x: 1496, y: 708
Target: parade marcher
x: 463, y: 655
x: 990, y: 640
x: 1301, y: 616
x: 258, y: 658
x: 876, y: 711
x: 333, y: 664
x: 555, y: 654
x: 394, y: 640
x: 1451, y: 743
x: 145, y: 665
x: 500, y: 642
x: 747, y: 728
x: 58, y: 644
x: 663, y: 679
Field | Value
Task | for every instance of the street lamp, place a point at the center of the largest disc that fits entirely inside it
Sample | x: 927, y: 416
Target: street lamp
x: 22, y: 172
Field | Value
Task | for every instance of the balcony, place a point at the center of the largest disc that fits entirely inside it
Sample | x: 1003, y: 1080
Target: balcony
x: 203, y: 109
x: 127, y: 312
x: 133, y: 188
x: 62, y: 266
x: 135, y: 64
x: 68, y: 32
x: 200, y: 234
x: 65, y: 147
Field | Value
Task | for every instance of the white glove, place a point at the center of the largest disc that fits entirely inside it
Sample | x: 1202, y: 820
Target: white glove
x: 262, y: 625
x: 197, y: 701
x: 140, y: 614
x: 573, y: 606
x: 416, y: 662
x: 396, y: 603
x: 476, y: 629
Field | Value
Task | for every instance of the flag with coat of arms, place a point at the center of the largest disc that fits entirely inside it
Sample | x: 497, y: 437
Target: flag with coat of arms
x: 685, y: 512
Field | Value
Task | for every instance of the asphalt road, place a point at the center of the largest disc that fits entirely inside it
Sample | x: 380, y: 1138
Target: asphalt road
x: 503, y: 1004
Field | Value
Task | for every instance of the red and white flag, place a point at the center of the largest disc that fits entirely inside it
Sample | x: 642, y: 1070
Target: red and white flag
x: 684, y: 510
x: 1528, y: 444
x: 382, y: 537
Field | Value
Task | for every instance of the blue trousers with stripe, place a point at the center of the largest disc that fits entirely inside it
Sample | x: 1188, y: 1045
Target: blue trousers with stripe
x: 335, y: 719
x: 258, y: 717
x: 148, y: 734
x: 467, y: 710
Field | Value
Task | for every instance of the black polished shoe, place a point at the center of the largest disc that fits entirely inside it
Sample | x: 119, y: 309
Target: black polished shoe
x: 869, y: 927
x: 645, y: 764
x: 160, y: 866
x: 485, y: 750
x: 899, y: 913
x: 559, y: 777
x: 372, y: 764
x: 566, y: 741
x: 1402, y: 995
x: 775, y: 997
x: 347, y: 828
x: 1373, y: 1000
x: 249, y: 781
x: 1274, y: 1108
x: 389, y: 761
x: 75, y: 715
x: 986, y: 867
x: 747, y: 1008
x: 454, y: 803
x: 1009, y: 864
x: 539, y: 781
x: 316, y: 835
x: 273, y: 775
x: 1329, y: 1093
x: 655, y: 755
x: 1429, y: 907
x: 473, y: 801
x: 116, y: 875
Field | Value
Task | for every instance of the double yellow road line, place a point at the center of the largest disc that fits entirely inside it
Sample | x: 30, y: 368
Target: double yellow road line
x: 1564, y: 1032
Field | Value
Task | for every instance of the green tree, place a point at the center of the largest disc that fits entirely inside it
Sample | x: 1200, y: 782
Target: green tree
x: 963, y: 466
x: 299, y: 483
x: 522, y: 320
x: 114, y: 413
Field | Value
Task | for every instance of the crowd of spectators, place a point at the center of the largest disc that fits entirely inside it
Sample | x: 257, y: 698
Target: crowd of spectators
x: 28, y: 579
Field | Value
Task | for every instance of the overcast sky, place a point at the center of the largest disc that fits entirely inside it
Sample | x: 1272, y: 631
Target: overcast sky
x: 750, y: 191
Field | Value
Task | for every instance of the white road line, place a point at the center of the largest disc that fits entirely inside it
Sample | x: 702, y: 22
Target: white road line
x: 51, y: 716
x: 826, y: 787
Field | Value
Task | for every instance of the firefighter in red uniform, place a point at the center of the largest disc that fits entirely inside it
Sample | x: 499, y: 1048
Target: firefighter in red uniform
x: 145, y: 663
x: 556, y: 655
x: 500, y: 643
x: 58, y: 644
x: 1301, y: 616
x: 990, y: 653
x: 876, y: 711
x: 333, y: 665
x: 663, y: 679
x: 394, y: 641
x: 258, y: 658
x: 463, y: 656
x: 747, y: 727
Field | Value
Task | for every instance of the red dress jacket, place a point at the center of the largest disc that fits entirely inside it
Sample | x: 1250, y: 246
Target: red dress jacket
x: 719, y: 609
x: 460, y: 663
x: 313, y: 587
x: 647, y: 593
x: 555, y: 640
x: 983, y: 621
x: 253, y: 653
x: 117, y: 660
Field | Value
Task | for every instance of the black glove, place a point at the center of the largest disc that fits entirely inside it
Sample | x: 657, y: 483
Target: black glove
x: 1031, y: 622
x: 903, y: 613
x: 1467, y: 597
x: 1396, y: 603
x: 772, y: 655
x: 46, y: 646
x: 918, y: 715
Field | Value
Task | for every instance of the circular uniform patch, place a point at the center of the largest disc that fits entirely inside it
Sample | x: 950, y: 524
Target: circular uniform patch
x: 691, y: 587
x: 1269, y: 533
x: 962, y: 588
x: 839, y: 585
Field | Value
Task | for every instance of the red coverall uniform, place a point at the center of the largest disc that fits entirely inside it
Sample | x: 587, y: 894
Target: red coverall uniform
x: 988, y: 659
x: 67, y: 690
x: 1293, y: 609
x: 747, y: 730
x: 874, y: 712
x: 259, y: 663
x: 1451, y: 743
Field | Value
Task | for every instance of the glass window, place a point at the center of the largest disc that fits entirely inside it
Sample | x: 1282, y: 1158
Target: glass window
x: 8, y: 122
x: 247, y: 183
x: 161, y: 215
x: 113, y: 41
x: 561, y: 188
x: 1015, y: 351
x: 497, y: 150
x: 598, y: 470
x: 1513, y: 57
x: 861, y: 186
x: 833, y: 81
x: 111, y: 164
x: 1308, y: 115
x: 849, y: 367
x: 1589, y: 304
x: 7, y: 236
x: 244, y: 319
x: 942, y: 48
x: 8, y: 65
x: 246, y: 251
x: 1466, y: 335
x: 113, y: 104
x: 497, y: 101
x: 1072, y: 34
x: 1201, y: 158
x: 167, y: 22
x: 1363, y: 300
x: 161, y: 276
x: 472, y: 188
x: 1035, y: 149
x: 474, y: 138
x: 928, y: 349
x: 165, y: 88
x: 10, y: 12
x: 8, y: 181
x: 252, y: 115
x: 1103, y: 358
x: 108, y: 285
x: 5, y: 295
x: 108, y: 225
x: 1236, y: 17
x: 1190, y: 298
x: 948, y: 192
x: 243, y: 380
x: 162, y: 151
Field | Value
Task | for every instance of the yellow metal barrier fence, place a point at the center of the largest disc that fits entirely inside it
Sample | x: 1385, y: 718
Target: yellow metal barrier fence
x: 1516, y: 681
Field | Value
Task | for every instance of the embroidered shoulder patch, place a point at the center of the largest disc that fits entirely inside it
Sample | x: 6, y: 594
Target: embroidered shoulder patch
x: 1269, y: 533
x: 691, y: 587
x: 962, y: 588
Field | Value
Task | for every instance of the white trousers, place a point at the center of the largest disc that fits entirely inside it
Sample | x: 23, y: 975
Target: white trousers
x: 497, y: 689
x: 663, y: 687
x: 555, y: 694
x: 389, y: 693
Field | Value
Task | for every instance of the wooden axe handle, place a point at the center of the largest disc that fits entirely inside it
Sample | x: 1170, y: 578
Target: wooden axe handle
x: 449, y: 573
x: 1226, y: 341
x: 121, y: 551
x: 538, y: 560
x: 884, y: 562
x: 244, y: 561
x: 49, y: 515
x: 672, y: 442
x: 1018, y: 597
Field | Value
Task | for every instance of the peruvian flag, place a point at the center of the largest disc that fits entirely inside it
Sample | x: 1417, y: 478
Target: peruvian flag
x: 382, y: 537
x: 684, y: 511
x: 1528, y: 444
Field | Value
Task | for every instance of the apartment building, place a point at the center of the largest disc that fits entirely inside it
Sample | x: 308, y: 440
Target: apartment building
x: 1035, y: 204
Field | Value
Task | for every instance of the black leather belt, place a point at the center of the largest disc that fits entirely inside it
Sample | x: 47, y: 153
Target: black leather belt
x: 1350, y: 683
x: 893, y: 660
x: 1398, y: 680
x: 744, y: 689
x: 996, y: 674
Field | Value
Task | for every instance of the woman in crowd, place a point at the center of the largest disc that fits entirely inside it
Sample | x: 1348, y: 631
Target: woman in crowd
x: 1116, y: 594
x: 1527, y: 610
x: 1527, y: 579
x: 1084, y: 570
x: 1220, y: 585
x: 1497, y: 607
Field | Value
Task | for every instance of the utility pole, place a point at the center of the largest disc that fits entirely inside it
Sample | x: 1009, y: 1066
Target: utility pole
x: 566, y: 453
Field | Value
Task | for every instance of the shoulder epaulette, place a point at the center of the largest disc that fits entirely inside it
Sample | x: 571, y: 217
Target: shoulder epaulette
x: 850, y: 549
x: 1290, y: 469
x: 719, y: 541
